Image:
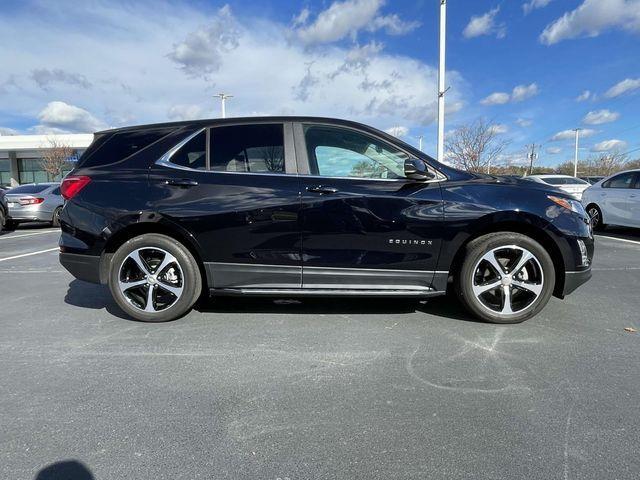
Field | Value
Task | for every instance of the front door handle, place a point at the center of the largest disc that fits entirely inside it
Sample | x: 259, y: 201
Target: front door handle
x: 322, y: 189
x: 180, y: 182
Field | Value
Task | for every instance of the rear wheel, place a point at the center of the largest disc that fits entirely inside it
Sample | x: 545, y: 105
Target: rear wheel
x: 595, y: 214
x: 2, y: 220
x: 506, y: 277
x: 153, y: 278
x: 55, y: 221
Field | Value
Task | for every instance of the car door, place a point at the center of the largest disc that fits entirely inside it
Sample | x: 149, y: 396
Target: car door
x: 235, y: 189
x: 364, y: 224
x: 634, y: 203
x: 616, y: 199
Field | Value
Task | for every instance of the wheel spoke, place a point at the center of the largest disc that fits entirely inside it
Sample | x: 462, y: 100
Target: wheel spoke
x: 506, y: 305
x: 480, y: 289
x: 149, y: 306
x: 135, y: 256
x: 534, y: 288
x: 168, y: 258
x: 177, y: 291
x: 490, y: 257
x: 526, y: 256
x: 127, y: 285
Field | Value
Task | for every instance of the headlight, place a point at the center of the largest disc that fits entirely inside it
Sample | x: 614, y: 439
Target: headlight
x: 573, y: 205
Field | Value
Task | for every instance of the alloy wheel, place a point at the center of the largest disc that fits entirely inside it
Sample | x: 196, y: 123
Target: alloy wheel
x: 594, y: 215
x: 507, y: 280
x: 151, y: 279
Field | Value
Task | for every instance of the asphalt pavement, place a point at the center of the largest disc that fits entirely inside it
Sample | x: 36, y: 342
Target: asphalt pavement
x: 333, y: 388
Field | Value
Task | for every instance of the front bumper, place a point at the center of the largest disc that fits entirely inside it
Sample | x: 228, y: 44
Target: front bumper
x: 573, y: 280
x: 83, y: 267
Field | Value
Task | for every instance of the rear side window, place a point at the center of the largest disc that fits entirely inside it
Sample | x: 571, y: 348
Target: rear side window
x: 29, y: 189
x: 247, y: 148
x: 118, y: 146
x: 56, y: 191
x: 555, y: 181
x: 624, y: 180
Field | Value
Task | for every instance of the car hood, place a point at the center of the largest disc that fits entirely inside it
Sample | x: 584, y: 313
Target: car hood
x: 518, y: 182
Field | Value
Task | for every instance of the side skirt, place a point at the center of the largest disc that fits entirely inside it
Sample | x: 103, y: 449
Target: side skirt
x: 323, y: 292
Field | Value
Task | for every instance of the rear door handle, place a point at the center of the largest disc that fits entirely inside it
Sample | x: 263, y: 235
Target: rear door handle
x: 322, y: 189
x: 180, y: 182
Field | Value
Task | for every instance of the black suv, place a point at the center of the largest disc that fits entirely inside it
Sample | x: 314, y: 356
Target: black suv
x: 293, y: 206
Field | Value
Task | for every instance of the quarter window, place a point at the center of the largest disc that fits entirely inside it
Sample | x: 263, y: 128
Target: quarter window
x: 338, y: 152
x: 624, y: 180
x: 193, y: 154
x: 248, y: 148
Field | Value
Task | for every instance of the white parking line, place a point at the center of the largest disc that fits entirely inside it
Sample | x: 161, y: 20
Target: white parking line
x: 619, y: 239
x: 28, y: 254
x: 29, y: 234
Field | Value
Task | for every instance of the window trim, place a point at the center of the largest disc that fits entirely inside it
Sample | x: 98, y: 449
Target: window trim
x: 287, y: 143
x: 302, y: 156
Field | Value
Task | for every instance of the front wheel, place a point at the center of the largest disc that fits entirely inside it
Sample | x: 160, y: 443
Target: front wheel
x: 595, y: 214
x: 153, y: 278
x: 506, y: 277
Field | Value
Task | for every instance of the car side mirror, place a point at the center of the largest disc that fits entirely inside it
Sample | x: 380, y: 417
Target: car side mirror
x: 416, y: 169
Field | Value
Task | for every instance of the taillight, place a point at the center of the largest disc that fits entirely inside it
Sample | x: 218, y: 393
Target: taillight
x: 31, y: 200
x: 72, y: 185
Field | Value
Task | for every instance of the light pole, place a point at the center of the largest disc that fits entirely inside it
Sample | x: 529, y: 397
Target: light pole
x: 420, y: 142
x: 441, y: 79
x: 575, y: 157
x: 223, y: 97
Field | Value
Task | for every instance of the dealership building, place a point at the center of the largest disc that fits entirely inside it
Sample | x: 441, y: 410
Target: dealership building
x: 21, y: 156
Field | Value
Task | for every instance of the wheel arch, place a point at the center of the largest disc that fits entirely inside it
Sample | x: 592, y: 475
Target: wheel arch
x: 166, y: 228
x: 529, y: 228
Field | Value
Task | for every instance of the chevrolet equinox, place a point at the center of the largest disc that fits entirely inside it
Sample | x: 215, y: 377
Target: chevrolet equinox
x: 300, y: 206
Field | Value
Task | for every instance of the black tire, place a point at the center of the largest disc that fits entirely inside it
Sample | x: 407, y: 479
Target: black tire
x: 2, y: 220
x: 10, y: 225
x: 190, y: 281
x: 473, y: 268
x: 55, y: 220
x: 595, y: 214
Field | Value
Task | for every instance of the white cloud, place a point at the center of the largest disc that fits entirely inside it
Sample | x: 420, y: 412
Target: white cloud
x: 301, y: 18
x: 598, y: 117
x: 62, y: 117
x: 609, y: 145
x: 200, y: 53
x: 593, y: 17
x: 398, y: 131
x: 522, y: 92
x: 553, y: 150
x: 186, y: 112
x: 485, y: 25
x: 524, y: 122
x: 44, y: 77
x: 498, y: 98
x: 268, y: 71
x: 8, y: 131
x: 625, y: 86
x: 534, y: 5
x: 498, y: 128
x: 347, y: 18
x: 584, y: 96
x: 519, y: 94
x: 571, y: 134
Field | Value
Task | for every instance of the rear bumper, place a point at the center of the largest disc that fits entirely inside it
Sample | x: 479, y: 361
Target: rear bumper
x: 26, y: 215
x: 83, y: 267
x: 573, y: 280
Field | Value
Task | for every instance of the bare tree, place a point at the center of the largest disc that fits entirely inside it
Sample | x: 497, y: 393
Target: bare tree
x: 608, y: 163
x: 56, y: 157
x: 474, y: 146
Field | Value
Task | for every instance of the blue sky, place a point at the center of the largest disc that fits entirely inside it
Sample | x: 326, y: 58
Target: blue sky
x: 522, y: 65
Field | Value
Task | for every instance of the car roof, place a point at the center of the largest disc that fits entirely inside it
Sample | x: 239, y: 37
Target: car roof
x: 240, y: 120
x: 551, y: 175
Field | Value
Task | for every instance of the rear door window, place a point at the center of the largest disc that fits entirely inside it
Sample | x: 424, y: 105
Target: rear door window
x: 247, y: 148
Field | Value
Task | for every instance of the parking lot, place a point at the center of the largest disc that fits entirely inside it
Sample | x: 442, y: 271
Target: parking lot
x: 382, y: 388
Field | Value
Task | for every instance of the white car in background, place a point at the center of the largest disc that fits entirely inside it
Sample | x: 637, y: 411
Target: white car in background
x: 614, y: 200
x: 574, y: 186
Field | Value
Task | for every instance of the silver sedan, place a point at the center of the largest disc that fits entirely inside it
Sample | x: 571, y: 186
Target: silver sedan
x: 35, y: 202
